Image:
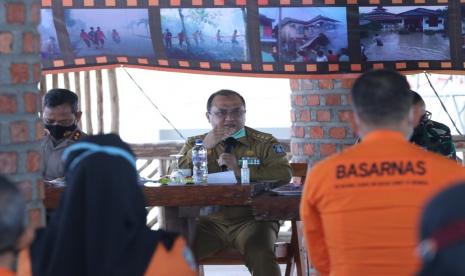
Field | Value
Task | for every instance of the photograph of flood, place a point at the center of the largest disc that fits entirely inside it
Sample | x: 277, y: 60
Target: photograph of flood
x: 404, y: 33
x: 49, y: 47
x: 215, y: 34
x: 310, y: 34
x: 123, y: 32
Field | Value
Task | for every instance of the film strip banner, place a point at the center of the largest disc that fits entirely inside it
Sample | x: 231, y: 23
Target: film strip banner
x: 278, y: 37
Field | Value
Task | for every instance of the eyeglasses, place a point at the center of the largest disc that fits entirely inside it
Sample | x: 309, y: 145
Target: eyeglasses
x: 236, y: 113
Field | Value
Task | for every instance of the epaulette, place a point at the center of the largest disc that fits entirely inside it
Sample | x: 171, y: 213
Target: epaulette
x: 261, y: 136
x: 76, y: 136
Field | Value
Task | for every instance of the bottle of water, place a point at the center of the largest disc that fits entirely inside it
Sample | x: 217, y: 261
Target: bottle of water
x: 199, y: 163
x: 245, y: 172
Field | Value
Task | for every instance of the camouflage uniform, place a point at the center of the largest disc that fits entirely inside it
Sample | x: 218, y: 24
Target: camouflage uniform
x: 53, y: 166
x: 234, y: 226
x: 435, y: 137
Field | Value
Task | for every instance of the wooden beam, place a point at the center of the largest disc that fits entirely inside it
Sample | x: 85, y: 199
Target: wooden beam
x: 77, y: 90
x: 98, y: 81
x: 43, y: 90
x: 54, y: 80
x: 158, y: 150
x: 114, y: 99
x: 66, y: 80
x: 88, y: 110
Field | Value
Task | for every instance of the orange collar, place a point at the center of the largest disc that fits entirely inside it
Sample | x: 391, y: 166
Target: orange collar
x: 384, y: 134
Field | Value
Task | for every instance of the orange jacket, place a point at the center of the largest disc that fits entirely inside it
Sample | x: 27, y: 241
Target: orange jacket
x: 179, y: 261
x: 360, y: 208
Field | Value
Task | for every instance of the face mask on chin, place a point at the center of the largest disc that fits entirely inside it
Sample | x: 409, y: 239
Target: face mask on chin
x: 59, y: 132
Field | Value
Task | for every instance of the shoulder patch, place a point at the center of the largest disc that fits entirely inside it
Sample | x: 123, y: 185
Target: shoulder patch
x: 279, y: 149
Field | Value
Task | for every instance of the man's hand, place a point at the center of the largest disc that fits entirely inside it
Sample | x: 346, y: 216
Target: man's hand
x: 230, y: 161
x: 217, y: 135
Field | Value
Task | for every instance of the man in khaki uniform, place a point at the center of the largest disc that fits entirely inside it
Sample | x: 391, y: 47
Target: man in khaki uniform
x: 233, y: 226
x: 60, y: 117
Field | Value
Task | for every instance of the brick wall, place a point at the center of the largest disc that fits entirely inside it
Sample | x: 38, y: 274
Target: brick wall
x: 20, y: 127
x: 319, y: 115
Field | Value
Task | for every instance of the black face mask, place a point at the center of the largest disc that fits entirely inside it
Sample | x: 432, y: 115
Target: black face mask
x: 59, y: 132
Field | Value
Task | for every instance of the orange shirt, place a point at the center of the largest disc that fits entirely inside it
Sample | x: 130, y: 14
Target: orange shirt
x: 360, y: 208
x: 6, y: 272
x: 179, y: 261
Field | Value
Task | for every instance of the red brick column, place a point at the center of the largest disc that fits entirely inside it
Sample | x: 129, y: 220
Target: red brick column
x: 20, y: 127
x: 319, y: 115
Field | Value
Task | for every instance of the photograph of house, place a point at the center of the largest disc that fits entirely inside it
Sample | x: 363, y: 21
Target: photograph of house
x: 404, y: 33
x: 311, y: 34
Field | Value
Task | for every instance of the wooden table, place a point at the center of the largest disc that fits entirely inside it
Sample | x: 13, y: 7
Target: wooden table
x: 265, y: 205
x: 182, y: 195
x: 172, y: 198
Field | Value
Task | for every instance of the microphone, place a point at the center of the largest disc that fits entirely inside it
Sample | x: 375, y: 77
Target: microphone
x: 229, y: 145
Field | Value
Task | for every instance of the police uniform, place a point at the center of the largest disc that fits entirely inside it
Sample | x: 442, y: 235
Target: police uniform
x: 233, y: 226
x: 53, y: 166
x: 360, y: 208
x: 435, y: 137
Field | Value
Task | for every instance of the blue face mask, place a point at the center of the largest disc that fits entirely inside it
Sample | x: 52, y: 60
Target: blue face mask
x: 238, y: 134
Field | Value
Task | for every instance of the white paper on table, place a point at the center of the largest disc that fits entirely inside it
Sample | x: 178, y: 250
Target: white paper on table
x: 226, y: 177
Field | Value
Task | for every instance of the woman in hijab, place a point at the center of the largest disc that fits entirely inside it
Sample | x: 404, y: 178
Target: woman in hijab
x: 442, y: 232
x: 99, y: 227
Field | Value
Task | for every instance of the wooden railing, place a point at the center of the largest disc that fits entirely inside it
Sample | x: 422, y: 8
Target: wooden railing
x: 154, y: 160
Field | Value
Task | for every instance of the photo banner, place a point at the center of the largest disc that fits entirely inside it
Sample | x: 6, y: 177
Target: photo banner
x: 281, y: 38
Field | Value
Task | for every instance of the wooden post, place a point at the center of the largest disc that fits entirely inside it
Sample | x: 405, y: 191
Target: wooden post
x: 88, y: 112
x: 114, y: 99
x: 77, y: 90
x: 54, y: 80
x: 43, y: 90
x: 66, y: 80
x: 98, y: 80
x: 43, y: 86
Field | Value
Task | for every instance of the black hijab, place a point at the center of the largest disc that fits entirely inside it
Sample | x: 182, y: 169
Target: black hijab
x: 443, y: 234
x: 99, y: 227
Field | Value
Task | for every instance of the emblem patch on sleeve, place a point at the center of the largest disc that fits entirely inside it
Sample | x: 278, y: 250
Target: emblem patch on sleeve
x: 279, y: 149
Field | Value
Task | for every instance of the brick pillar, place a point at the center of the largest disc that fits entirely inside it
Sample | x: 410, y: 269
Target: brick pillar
x: 20, y: 127
x: 319, y: 115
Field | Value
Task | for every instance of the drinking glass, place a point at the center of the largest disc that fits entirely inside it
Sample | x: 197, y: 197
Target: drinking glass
x: 176, y: 176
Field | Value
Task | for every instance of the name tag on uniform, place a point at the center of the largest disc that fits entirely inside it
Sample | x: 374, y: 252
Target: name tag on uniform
x: 251, y: 161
